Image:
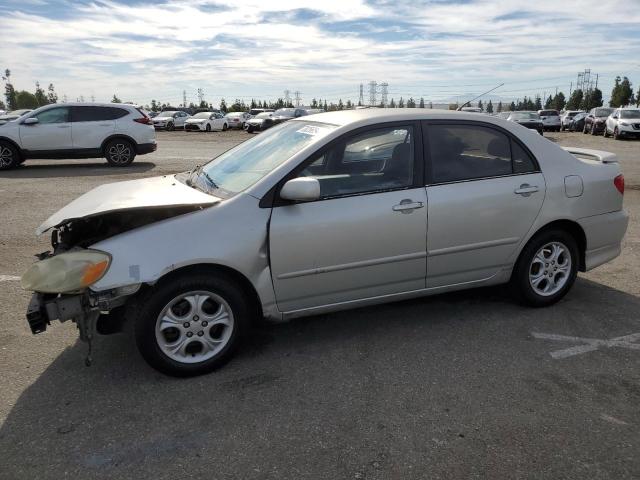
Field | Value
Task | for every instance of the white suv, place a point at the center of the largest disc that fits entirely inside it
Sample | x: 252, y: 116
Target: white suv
x: 623, y: 122
x: 117, y: 132
x: 550, y: 119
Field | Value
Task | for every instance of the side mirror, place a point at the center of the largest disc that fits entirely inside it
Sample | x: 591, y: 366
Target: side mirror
x: 30, y: 121
x: 302, y: 189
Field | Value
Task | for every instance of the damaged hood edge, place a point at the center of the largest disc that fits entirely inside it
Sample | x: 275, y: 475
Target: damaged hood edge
x: 164, y: 191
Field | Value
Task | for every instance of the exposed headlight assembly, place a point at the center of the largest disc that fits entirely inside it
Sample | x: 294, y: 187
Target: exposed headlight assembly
x: 67, y: 272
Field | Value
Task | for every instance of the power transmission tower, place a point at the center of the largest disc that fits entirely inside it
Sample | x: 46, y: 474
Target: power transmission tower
x: 361, y: 97
x: 200, y: 96
x: 64, y: 98
x: 383, y: 93
x: 287, y: 97
x: 373, y: 87
x: 298, y: 99
x: 93, y: 99
x: 184, y: 98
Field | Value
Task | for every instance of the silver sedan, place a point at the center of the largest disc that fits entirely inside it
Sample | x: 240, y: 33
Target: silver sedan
x: 324, y: 213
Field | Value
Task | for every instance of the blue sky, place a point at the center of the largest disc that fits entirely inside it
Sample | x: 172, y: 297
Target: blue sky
x: 435, y: 49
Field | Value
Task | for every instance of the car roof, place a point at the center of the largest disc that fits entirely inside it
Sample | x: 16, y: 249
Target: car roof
x: 377, y: 115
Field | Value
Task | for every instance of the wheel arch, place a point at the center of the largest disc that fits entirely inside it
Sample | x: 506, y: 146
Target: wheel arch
x: 115, y: 136
x: 222, y: 270
x: 571, y: 227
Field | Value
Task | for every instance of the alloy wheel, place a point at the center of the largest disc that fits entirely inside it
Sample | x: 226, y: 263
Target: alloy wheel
x: 6, y: 156
x: 194, y: 327
x: 550, y: 269
x: 120, y: 153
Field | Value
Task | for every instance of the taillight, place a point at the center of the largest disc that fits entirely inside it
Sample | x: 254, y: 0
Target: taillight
x: 619, y: 183
x: 145, y: 120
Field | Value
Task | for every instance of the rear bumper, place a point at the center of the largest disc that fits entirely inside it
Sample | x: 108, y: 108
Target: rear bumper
x: 604, y: 237
x: 144, y: 148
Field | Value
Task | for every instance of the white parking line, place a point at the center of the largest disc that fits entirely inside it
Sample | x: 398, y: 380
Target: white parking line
x: 588, y: 344
x: 9, y: 278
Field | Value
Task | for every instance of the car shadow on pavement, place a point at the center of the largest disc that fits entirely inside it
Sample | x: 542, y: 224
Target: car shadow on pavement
x: 290, y: 388
x: 52, y: 170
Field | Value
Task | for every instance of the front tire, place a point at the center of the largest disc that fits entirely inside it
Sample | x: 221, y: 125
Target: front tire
x: 192, y: 324
x: 225, y: 127
x: 208, y: 129
x: 616, y: 134
x: 119, y: 152
x: 547, y: 268
x: 170, y: 127
x: 9, y: 156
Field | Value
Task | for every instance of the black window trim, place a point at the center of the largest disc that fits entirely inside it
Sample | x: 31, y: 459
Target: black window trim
x: 428, y: 170
x: 74, y: 108
x: 272, y: 198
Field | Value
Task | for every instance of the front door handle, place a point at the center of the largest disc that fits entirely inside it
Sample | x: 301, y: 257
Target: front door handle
x: 525, y: 190
x: 407, y: 206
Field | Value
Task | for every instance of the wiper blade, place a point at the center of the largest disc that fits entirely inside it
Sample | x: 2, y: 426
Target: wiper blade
x: 209, y: 179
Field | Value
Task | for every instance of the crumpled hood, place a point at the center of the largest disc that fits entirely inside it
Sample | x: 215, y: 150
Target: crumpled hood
x: 163, y: 191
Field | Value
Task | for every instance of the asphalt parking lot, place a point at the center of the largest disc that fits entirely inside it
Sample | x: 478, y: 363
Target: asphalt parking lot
x: 464, y: 385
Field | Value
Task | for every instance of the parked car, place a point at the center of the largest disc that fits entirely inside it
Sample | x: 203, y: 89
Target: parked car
x: 261, y: 121
x: 471, y: 110
x: 503, y: 115
x: 206, y: 122
x: 170, y: 120
x: 577, y: 122
x: 550, y: 119
x: 117, y: 132
x: 527, y: 119
x: 340, y: 210
x: 623, y: 123
x: 13, y: 115
x: 237, y: 119
x: 566, y: 117
x: 594, y: 123
x: 152, y: 114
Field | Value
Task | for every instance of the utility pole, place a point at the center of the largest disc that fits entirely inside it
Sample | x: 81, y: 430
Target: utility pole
x: 297, y: 94
x: 383, y: 93
x: 373, y: 85
x: 361, y: 97
x: 287, y: 97
x: 184, y: 98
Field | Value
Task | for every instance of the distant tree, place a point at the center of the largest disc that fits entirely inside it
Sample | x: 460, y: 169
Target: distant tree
x: 348, y: 105
x: 325, y: 105
x: 489, y: 107
x: 115, y: 99
x: 223, y: 105
x: 401, y: 103
x: 480, y: 105
x: 9, y: 91
x: 154, y: 106
x: 592, y: 99
x: 2, y: 105
x: 512, y: 107
x: 499, y: 109
x: 622, y: 93
x: 411, y: 103
x: 558, y: 102
x: 575, y: 101
x: 392, y: 103
x: 26, y: 99
x: 548, y: 103
x: 421, y: 104
x: 41, y: 97
x: 538, y: 104
x: 314, y: 103
x: 638, y: 98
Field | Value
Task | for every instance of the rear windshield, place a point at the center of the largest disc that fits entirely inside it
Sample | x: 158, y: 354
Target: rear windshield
x: 525, y: 116
x: 549, y: 113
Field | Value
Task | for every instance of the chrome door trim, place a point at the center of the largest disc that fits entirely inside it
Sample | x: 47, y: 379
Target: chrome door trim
x: 473, y: 246
x: 351, y: 265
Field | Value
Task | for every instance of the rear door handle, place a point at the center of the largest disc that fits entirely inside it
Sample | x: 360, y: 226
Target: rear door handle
x: 64, y: 126
x: 407, y: 206
x: 525, y: 190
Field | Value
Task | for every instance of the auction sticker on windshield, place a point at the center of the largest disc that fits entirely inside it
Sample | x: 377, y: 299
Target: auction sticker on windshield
x: 313, y: 130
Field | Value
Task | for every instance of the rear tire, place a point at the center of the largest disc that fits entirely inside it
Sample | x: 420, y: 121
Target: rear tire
x: 119, y: 152
x: 9, y: 156
x: 225, y: 127
x: 546, y: 269
x: 170, y: 127
x: 208, y: 129
x: 192, y: 324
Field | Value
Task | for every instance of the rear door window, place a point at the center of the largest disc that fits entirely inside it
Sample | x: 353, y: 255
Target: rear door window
x: 467, y: 152
x: 97, y: 114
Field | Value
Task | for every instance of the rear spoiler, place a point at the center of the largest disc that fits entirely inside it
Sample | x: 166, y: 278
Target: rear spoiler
x: 594, y: 155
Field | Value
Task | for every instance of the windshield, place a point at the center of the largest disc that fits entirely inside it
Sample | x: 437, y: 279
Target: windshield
x: 629, y: 113
x: 285, y: 112
x: 16, y: 113
x: 263, y: 115
x: 525, y: 116
x: 167, y: 114
x: 242, y: 166
x: 549, y: 113
x: 603, y: 112
x: 202, y: 115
